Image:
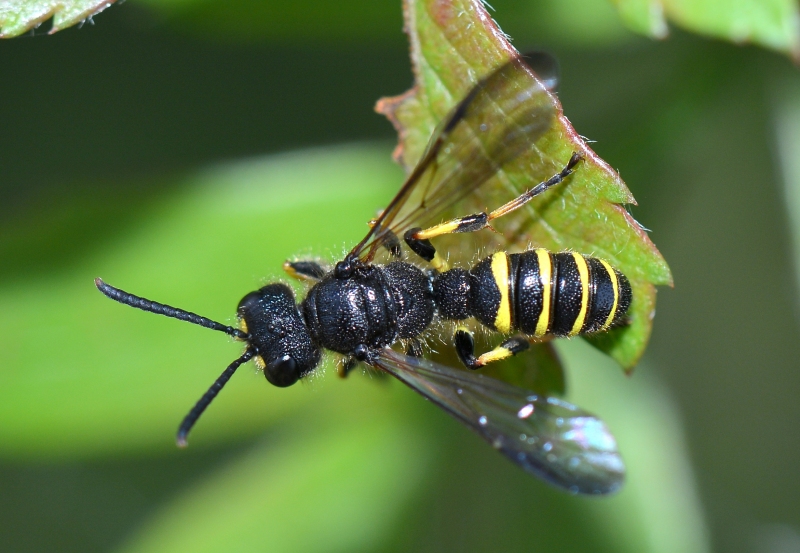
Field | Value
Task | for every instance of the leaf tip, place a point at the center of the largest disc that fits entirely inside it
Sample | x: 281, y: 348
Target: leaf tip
x: 388, y: 106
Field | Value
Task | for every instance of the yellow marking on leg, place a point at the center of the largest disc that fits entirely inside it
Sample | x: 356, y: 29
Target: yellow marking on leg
x: 260, y: 362
x: 546, y: 278
x: 497, y: 354
x: 445, y: 228
x: 583, y: 272
x: 287, y: 266
x: 438, y: 263
x: 615, y: 285
x: 290, y: 270
x: 243, y: 326
x: 502, y: 321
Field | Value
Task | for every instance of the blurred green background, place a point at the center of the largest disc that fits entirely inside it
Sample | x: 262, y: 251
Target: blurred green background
x: 182, y: 150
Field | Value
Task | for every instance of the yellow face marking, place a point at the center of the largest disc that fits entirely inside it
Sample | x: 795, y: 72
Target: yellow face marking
x: 260, y: 362
x: 583, y: 272
x: 546, y: 278
x: 242, y: 327
x: 502, y: 321
x: 438, y: 230
x: 615, y: 285
x: 496, y: 354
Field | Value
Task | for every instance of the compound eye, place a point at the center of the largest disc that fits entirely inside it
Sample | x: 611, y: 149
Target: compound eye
x: 282, y: 372
x: 248, y: 301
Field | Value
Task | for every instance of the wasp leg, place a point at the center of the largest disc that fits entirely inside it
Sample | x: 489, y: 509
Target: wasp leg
x: 305, y: 270
x: 424, y: 249
x: 347, y: 366
x: 419, y: 240
x: 465, y: 348
x: 391, y: 242
x: 414, y: 348
x: 392, y: 245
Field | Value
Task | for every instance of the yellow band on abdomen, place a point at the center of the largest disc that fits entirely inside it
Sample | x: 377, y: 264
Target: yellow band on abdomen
x: 546, y: 279
x: 583, y: 273
x: 615, y: 284
x: 502, y: 321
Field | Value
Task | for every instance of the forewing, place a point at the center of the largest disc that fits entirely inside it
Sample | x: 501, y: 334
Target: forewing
x: 547, y: 437
x: 500, y: 118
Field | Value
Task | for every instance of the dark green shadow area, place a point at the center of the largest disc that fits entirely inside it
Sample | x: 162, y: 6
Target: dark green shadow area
x: 102, y: 122
x: 89, y: 506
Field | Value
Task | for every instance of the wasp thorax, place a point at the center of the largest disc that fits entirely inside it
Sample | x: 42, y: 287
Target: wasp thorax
x: 373, y: 308
x: 279, y: 335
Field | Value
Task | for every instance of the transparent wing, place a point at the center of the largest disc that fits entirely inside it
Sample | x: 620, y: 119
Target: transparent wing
x: 547, y: 437
x: 500, y: 118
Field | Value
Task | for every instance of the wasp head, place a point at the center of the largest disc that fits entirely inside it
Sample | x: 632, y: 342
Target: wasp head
x: 278, y: 334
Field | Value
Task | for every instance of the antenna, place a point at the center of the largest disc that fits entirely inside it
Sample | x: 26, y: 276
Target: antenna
x: 160, y: 309
x: 200, y: 406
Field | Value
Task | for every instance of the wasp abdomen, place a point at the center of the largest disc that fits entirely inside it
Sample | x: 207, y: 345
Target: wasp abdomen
x: 537, y: 292
x: 564, y: 294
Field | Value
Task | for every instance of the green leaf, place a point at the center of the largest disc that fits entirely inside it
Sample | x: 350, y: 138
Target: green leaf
x: 18, y: 16
x: 335, y: 488
x: 787, y: 123
x: 773, y: 24
x: 659, y: 508
x: 454, y: 42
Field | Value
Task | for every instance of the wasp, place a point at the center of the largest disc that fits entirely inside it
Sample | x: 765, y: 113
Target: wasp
x: 363, y: 309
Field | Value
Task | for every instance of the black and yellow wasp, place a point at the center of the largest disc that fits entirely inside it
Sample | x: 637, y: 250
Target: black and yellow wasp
x: 361, y: 308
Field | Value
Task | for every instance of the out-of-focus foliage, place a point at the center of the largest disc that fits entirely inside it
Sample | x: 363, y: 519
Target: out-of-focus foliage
x: 203, y: 234
x: 787, y: 121
x: 18, y: 16
x: 771, y: 23
x: 338, y: 486
x: 299, y: 20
